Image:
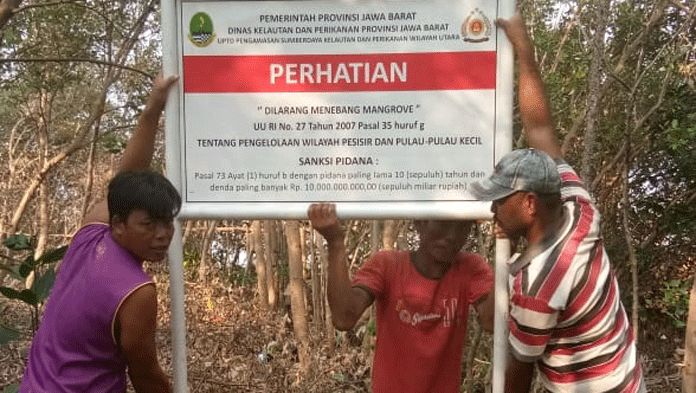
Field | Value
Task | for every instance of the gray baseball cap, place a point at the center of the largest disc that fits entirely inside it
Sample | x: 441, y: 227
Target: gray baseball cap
x: 520, y: 170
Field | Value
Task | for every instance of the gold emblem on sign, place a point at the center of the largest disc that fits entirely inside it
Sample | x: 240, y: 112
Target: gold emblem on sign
x: 476, y: 27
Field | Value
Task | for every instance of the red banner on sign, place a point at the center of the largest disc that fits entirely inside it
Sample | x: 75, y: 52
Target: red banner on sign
x: 340, y: 73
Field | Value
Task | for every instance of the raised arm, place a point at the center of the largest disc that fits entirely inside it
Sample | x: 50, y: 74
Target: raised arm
x: 347, y: 303
x: 141, y: 145
x: 533, y: 103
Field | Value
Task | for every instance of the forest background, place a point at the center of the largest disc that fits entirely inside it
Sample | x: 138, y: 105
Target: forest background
x: 74, y: 74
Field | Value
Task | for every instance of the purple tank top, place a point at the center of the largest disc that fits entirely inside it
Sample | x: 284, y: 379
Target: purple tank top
x: 74, y: 349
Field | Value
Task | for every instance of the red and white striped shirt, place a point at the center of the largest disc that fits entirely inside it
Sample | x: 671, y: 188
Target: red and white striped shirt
x: 565, y: 310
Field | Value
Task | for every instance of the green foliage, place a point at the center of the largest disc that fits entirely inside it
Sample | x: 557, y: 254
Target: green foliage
x: 19, y: 243
x: 11, y: 389
x: 7, y: 334
x: 372, y: 327
x: 674, y: 302
x: 191, y: 260
x: 239, y: 276
x: 44, y: 278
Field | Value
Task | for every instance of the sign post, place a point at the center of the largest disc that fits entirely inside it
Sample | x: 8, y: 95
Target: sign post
x: 388, y: 108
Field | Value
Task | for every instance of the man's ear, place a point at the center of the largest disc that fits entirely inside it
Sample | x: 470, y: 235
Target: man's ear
x: 530, y: 202
x: 117, y: 225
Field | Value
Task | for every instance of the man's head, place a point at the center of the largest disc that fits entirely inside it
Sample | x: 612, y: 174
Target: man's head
x: 442, y: 239
x: 142, y: 207
x: 524, y: 186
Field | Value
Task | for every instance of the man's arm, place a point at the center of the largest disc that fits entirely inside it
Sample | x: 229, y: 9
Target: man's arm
x: 518, y: 375
x: 533, y: 103
x: 137, y: 323
x: 141, y: 145
x: 347, y: 303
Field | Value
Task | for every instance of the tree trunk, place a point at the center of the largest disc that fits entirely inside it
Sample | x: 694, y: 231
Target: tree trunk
x: 317, y: 302
x: 205, y: 251
x: 328, y: 324
x: 374, y: 237
x: 42, y: 219
x: 187, y: 231
x: 260, y: 262
x: 296, y: 284
x: 7, y: 185
x: 89, y: 181
x: 303, y: 255
x: 401, y: 242
x: 599, y: 12
x: 632, y: 261
x: 280, y: 255
x: 390, y: 232
x: 248, y: 240
x: 689, y: 370
x: 269, y: 240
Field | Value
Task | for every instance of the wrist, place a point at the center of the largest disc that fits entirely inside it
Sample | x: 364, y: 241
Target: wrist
x: 335, y: 241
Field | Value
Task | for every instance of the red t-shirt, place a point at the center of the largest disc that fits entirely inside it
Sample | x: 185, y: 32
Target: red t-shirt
x: 421, y: 322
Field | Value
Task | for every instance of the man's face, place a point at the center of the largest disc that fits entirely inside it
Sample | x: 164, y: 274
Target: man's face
x: 442, y: 239
x: 508, y: 215
x: 144, y: 236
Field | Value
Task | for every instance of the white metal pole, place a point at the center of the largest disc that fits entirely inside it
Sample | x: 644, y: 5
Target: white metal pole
x: 178, y: 323
x: 503, y: 144
x: 173, y: 158
x: 502, y: 254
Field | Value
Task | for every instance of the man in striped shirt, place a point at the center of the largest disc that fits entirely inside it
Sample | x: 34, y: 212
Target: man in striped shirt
x: 565, y: 311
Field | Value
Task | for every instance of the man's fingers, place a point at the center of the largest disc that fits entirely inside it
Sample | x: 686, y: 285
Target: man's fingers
x: 321, y: 211
x: 171, y: 80
x: 167, y: 83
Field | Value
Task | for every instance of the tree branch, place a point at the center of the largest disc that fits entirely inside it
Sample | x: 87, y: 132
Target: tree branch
x: 78, y: 60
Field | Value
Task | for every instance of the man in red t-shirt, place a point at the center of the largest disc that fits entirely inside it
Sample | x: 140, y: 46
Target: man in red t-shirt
x: 422, y: 299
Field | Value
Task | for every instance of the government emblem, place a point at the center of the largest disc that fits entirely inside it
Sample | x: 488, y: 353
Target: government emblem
x: 476, y: 27
x: 201, y: 31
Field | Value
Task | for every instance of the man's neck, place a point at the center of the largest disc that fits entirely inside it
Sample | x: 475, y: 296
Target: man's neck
x: 428, y: 267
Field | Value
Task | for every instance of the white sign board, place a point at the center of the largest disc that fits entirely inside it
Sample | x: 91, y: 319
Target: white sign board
x: 290, y: 102
x: 390, y: 108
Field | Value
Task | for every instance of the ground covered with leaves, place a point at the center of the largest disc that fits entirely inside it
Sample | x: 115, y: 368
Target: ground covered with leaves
x: 232, y: 346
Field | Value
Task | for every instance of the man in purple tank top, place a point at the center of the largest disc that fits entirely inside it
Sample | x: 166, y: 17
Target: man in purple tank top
x: 100, y: 319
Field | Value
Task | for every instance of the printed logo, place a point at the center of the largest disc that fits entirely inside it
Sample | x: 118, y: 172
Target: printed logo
x: 417, y: 318
x: 449, y: 315
x: 476, y: 27
x: 201, y: 31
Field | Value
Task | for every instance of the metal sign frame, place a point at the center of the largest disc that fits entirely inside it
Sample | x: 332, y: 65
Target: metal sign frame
x: 170, y: 13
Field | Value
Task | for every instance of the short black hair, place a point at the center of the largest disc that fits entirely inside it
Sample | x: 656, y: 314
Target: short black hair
x: 142, y: 190
x: 550, y: 201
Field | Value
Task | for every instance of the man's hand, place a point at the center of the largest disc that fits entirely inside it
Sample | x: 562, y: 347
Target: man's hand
x: 515, y: 30
x: 141, y: 144
x: 324, y: 219
x: 160, y: 91
x: 485, y: 311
